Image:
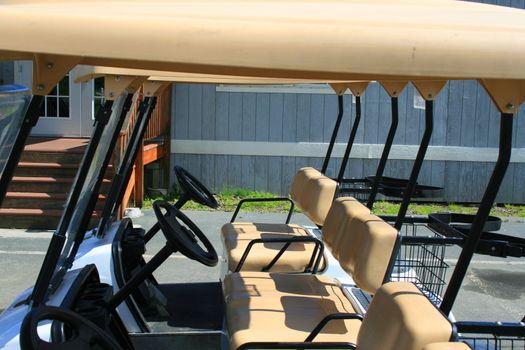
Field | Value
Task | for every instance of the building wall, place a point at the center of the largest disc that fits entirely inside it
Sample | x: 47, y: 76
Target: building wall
x: 215, y: 128
x: 6, y: 72
x: 462, y: 113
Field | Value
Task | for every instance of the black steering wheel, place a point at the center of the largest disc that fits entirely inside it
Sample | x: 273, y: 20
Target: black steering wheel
x: 194, y: 189
x: 184, y: 239
x: 85, y: 335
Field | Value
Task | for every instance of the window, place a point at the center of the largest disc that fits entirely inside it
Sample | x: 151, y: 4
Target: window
x: 98, y: 95
x: 56, y: 103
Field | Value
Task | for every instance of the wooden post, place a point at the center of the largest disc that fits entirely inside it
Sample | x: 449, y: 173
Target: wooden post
x: 127, y: 194
x: 139, y: 176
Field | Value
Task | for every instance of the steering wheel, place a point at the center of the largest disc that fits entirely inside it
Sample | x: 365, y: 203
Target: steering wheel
x: 184, y: 239
x: 85, y: 335
x: 194, y: 189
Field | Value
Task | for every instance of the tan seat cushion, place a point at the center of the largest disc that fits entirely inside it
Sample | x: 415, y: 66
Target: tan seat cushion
x: 259, y: 285
x: 342, y: 210
x: 239, y: 228
x: 401, y: 317
x: 256, y: 313
x: 317, y: 197
x: 301, y: 177
x: 365, y: 249
x: 447, y: 346
x: 295, y: 259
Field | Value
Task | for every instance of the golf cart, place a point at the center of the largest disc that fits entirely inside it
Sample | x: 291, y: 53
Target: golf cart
x: 95, y: 289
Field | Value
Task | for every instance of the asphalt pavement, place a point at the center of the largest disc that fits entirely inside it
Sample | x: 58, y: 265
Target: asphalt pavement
x: 494, y: 289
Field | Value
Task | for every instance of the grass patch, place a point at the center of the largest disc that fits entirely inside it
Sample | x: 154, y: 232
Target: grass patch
x: 229, y: 198
x: 389, y: 208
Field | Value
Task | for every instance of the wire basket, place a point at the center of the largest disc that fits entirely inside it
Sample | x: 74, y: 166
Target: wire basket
x: 420, y: 259
x: 493, y: 342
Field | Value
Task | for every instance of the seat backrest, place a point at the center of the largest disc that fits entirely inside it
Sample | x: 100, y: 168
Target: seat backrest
x: 447, y: 346
x: 401, y: 317
x: 316, y: 198
x: 342, y: 210
x: 303, y: 175
x: 365, y: 249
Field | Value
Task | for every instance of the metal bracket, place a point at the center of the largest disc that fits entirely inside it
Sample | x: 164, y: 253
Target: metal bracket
x: 508, y: 95
x: 48, y: 70
x: 154, y: 88
x: 394, y: 88
x: 115, y: 85
x: 429, y: 89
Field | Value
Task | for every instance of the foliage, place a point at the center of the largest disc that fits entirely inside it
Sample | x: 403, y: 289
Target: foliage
x: 230, y: 197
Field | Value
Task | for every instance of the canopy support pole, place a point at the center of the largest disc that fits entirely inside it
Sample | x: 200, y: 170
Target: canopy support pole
x: 351, y: 139
x: 476, y: 230
x: 30, y: 120
x: 386, y: 151
x: 100, y: 172
x: 411, y: 185
x: 340, y: 109
x: 120, y: 181
x: 58, y: 239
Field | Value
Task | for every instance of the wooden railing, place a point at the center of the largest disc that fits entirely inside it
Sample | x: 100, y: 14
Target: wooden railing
x: 158, y: 130
x: 159, y: 124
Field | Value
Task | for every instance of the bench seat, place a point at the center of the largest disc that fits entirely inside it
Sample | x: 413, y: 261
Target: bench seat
x: 294, y: 259
x: 399, y: 317
x: 256, y: 313
x: 237, y: 236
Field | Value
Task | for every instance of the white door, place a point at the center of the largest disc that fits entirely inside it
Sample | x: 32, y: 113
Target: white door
x: 67, y: 111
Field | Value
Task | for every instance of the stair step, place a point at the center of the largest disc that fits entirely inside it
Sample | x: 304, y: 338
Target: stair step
x: 51, y: 169
x: 47, y: 165
x: 41, y: 200
x: 35, y: 218
x: 54, y: 144
x: 66, y: 157
x: 42, y: 181
x: 30, y: 212
x: 48, y: 184
x: 47, y: 169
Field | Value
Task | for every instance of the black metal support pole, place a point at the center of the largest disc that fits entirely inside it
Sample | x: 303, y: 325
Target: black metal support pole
x: 384, y: 155
x: 476, y: 230
x: 30, y: 120
x: 121, y: 179
x: 340, y: 109
x: 99, y: 176
x: 411, y: 186
x: 135, y: 147
x: 351, y: 139
x: 137, y: 279
x: 57, y: 241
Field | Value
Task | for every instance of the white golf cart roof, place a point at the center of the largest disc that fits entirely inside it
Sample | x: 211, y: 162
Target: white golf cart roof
x: 322, y: 40
x: 118, y: 79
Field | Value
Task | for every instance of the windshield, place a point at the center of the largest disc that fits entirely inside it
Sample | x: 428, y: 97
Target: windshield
x: 76, y: 231
x: 14, y: 101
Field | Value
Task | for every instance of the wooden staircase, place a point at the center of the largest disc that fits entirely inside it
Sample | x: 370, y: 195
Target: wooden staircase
x: 42, y: 181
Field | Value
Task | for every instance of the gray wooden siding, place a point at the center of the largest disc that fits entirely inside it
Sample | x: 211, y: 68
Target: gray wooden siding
x: 463, y: 112
x: 464, y: 116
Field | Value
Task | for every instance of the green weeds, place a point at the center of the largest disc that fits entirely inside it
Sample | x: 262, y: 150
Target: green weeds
x: 230, y: 197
